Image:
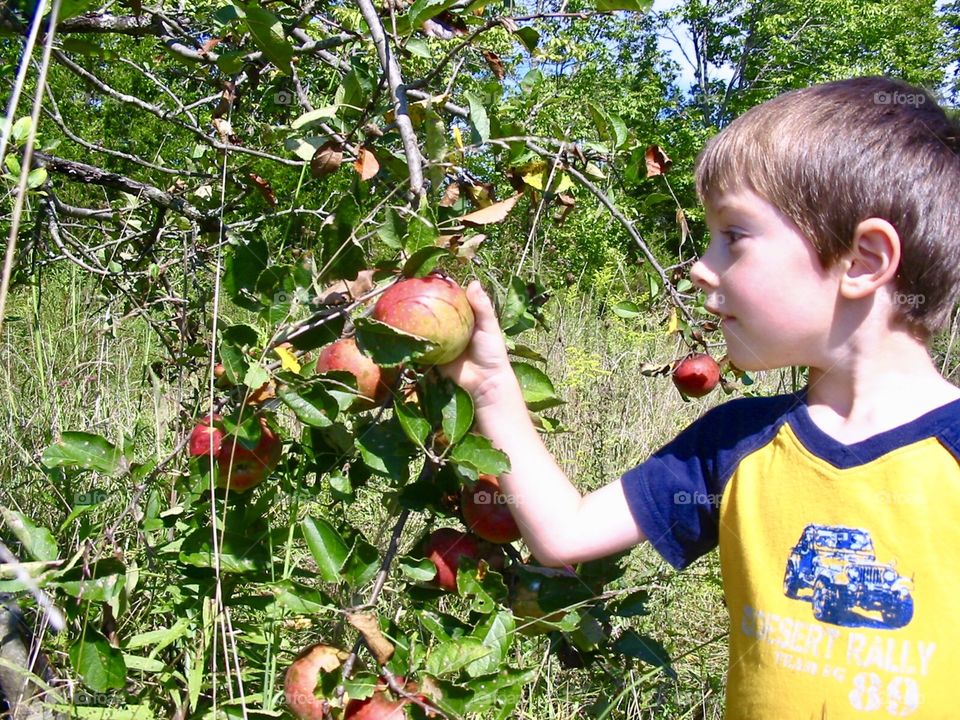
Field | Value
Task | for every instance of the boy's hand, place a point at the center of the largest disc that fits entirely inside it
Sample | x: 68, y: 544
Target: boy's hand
x: 483, y: 369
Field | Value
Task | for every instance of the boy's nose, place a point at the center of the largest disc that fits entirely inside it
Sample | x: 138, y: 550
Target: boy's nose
x: 702, y: 276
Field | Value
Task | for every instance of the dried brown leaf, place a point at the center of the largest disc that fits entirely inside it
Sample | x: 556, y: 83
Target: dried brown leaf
x: 369, y: 628
x: 327, y: 159
x: 263, y: 185
x: 491, y: 214
x: 366, y: 164
x: 450, y: 195
x: 495, y: 63
x: 657, y: 161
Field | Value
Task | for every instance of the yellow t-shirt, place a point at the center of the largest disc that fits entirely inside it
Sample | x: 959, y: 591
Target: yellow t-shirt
x: 839, y: 562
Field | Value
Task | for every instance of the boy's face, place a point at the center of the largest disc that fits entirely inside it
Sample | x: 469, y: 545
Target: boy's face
x: 763, y: 279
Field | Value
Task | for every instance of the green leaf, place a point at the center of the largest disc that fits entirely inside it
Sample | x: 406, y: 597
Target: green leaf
x: 496, y: 633
x: 387, y: 345
x: 99, y: 664
x: 418, y: 47
x: 85, y: 450
x: 314, y: 407
x: 267, y: 32
x: 531, y: 80
x: 241, y: 270
x: 421, y: 232
x: 529, y: 37
x: 231, y: 62
x: 21, y: 128
x: 538, y: 391
x: 644, y: 648
x: 314, y: 116
x: 386, y: 450
x: 630, y: 5
x: 626, y: 309
x: 412, y: 421
x: 632, y: 605
x: 326, y: 546
x: 362, y: 563
x: 255, y: 376
x: 417, y: 570
x: 458, y: 414
x: 240, y: 549
x: 392, y: 230
x: 423, y: 261
x: 476, y: 452
x: 478, y: 117
x: 450, y: 657
x: 38, y: 542
x: 36, y: 178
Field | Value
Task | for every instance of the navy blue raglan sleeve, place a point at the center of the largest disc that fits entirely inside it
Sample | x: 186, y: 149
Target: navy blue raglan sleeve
x: 675, y: 495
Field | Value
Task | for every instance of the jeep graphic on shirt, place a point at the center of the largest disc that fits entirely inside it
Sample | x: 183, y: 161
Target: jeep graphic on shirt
x: 836, y: 569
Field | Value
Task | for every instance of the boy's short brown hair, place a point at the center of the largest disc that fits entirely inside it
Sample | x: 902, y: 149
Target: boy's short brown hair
x: 832, y: 155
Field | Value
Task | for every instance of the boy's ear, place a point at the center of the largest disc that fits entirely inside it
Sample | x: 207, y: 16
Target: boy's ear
x: 873, y: 260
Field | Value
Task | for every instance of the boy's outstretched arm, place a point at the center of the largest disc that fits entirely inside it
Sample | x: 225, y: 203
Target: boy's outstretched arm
x: 559, y: 525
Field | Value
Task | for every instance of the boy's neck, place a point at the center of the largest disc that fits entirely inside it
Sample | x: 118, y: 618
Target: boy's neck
x: 877, y: 385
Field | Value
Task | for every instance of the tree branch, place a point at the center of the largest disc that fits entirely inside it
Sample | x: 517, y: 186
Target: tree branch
x: 91, y: 175
x: 398, y: 94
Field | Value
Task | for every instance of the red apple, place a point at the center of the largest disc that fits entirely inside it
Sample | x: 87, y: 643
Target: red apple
x: 433, y: 307
x: 300, y: 682
x: 372, y: 383
x: 242, y: 468
x: 696, y: 375
x: 378, y: 706
x: 487, y: 513
x: 445, y: 548
x: 204, y: 439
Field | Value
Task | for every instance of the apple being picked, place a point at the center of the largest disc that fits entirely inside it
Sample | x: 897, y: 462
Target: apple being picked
x: 373, y: 384
x: 242, y: 468
x: 432, y: 307
x: 445, y: 548
x: 486, y: 512
x: 696, y: 375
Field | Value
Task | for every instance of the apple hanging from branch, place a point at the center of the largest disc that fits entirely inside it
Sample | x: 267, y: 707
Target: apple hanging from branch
x: 373, y: 382
x: 487, y: 513
x: 445, y: 548
x: 433, y: 307
x: 696, y: 375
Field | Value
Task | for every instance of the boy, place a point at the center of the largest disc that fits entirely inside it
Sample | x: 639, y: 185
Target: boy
x: 833, y: 214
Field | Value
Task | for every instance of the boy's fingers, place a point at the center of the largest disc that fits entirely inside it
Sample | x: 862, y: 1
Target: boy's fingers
x: 483, y: 311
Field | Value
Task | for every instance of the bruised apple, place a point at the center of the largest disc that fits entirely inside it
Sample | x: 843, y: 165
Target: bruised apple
x: 205, y: 440
x: 300, y: 682
x: 486, y: 512
x: 378, y: 706
x: 445, y: 548
x: 372, y: 382
x: 696, y: 375
x: 433, y: 307
x: 242, y: 468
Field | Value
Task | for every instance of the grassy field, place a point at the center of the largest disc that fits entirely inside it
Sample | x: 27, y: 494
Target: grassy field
x: 68, y: 364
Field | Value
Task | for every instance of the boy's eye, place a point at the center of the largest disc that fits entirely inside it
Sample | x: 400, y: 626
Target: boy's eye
x: 733, y: 236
